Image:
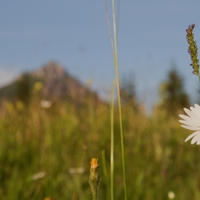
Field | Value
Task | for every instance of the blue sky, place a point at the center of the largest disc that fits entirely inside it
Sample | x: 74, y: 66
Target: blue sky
x: 151, y: 39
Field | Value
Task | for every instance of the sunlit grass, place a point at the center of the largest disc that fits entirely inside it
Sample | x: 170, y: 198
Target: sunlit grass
x: 61, y: 141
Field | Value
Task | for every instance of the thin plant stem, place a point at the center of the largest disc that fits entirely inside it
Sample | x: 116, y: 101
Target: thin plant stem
x: 115, y: 56
x: 104, y: 163
x: 109, y: 27
x: 112, y: 144
x: 111, y: 114
x: 121, y: 127
x: 119, y: 98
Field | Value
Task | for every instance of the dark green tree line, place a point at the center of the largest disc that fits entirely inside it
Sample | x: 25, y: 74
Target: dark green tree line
x: 172, y: 93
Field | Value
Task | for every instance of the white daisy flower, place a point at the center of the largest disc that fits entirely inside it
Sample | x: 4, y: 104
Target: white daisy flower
x: 191, y: 121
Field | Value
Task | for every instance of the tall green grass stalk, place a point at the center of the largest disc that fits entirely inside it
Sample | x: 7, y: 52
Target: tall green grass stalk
x: 112, y: 144
x: 115, y: 56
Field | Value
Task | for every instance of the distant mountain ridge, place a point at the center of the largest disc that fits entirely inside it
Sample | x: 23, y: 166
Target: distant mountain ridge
x: 57, y: 84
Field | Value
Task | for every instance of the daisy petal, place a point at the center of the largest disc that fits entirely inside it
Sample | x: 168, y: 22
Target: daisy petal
x: 191, y: 121
x: 186, y: 118
x: 192, y: 135
x: 191, y: 128
x: 197, y: 107
x: 190, y: 113
x: 195, y: 111
x: 196, y: 139
x: 188, y: 122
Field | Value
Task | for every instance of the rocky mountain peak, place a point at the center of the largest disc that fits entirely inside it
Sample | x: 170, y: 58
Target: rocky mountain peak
x: 57, y: 85
x: 51, y: 70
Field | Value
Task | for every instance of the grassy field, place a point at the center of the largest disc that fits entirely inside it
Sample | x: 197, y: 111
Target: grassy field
x: 47, y: 153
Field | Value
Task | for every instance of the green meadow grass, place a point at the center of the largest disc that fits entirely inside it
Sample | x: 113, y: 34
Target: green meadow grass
x: 61, y: 140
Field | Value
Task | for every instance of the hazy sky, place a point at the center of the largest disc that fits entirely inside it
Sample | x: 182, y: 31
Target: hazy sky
x: 151, y: 40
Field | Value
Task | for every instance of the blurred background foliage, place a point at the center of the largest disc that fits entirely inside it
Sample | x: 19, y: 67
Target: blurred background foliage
x: 46, y: 145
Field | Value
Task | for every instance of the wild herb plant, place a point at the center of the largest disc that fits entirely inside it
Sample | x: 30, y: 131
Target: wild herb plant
x: 191, y: 120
